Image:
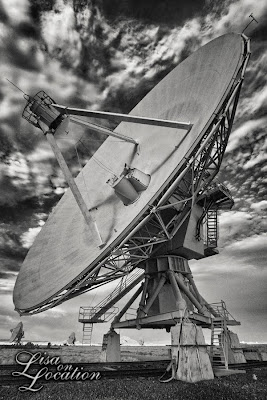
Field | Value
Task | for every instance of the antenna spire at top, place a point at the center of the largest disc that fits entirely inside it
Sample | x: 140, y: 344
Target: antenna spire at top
x: 25, y: 94
x: 252, y: 19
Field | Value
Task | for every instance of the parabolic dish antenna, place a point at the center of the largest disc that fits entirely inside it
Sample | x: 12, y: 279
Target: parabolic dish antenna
x: 71, y: 338
x: 17, y: 333
x: 129, y: 186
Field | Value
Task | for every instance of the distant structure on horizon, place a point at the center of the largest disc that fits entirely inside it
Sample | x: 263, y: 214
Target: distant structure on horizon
x: 17, y: 333
x: 71, y: 338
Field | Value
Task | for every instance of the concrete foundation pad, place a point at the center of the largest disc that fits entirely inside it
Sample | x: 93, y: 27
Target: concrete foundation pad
x: 189, y: 353
x: 111, y: 348
x: 226, y: 372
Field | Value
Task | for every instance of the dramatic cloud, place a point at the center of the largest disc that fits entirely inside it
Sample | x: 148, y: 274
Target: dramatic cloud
x: 242, y: 133
x: 28, y: 237
x: 235, y: 16
x: 260, y: 207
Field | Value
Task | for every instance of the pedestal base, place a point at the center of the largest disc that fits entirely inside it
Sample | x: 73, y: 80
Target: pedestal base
x: 235, y: 351
x: 111, y: 347
x: 191, y: 362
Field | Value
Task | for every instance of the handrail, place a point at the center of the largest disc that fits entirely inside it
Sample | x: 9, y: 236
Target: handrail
x: 87, y: 313
x: 99, y: 310
x: 220, y: 308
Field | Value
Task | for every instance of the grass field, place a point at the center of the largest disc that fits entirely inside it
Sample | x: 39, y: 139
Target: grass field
x: 235, y: 387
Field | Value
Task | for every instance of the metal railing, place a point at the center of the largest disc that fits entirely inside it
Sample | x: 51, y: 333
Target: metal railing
x: 87, y: 314
x: 221, y: 310
x: 123, y: 284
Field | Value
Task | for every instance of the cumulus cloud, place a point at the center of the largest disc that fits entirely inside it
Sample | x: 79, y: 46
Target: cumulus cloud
x: 58, y: 30
x: 236, y: 15
x: 7, y: 285
x: 233, y: 225
x: 260, y: 206
x: 246, y: 129
x: 28, y: 238
x: 248, y: 253
x: 256, y: 102
x: 259, y: 159
x: 17, y: 10
x: 254, y: 244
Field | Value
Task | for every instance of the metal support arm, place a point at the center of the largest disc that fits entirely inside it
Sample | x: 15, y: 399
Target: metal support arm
x: 74, y: 188
x: 102, y: 129
x: 155, y: 294
x: 127, y: 305
x: 124, y: 117
x: 192, y: 298
x: 180, y: 302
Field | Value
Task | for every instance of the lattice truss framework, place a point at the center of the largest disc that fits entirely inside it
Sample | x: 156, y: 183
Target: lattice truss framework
x: 182, y: 192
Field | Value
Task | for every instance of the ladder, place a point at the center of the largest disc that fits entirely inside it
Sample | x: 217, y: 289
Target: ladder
x: 219, y: 345
x: 87, y: 317
x: 104, y: 310
x: 212, y: 228
x: 87, y: 333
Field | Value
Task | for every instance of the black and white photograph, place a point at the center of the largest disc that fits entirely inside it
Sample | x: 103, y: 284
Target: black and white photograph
x: 133, y: 199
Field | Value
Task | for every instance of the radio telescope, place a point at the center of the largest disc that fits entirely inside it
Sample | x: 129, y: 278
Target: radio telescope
x: 146, y: 203
x: 17, y: 333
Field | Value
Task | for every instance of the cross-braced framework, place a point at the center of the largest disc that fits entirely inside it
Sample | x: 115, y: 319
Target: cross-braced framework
x: 164, y: 217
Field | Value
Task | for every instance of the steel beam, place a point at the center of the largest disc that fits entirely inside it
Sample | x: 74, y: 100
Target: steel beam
x: 180, y: 301
x: 155, y: 294
x: 102, y: 129
x: 163, y: 320
x: 74, y: 188
x: 127, y: 305
x: 118, y: 296
x: 192, y: 298
x: 123, y: 117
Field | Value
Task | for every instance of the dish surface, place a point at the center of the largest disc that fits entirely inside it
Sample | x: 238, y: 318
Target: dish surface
x: 64, y: 249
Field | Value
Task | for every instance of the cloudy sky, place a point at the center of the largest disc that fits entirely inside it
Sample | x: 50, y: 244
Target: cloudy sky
x: 107, y: 55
